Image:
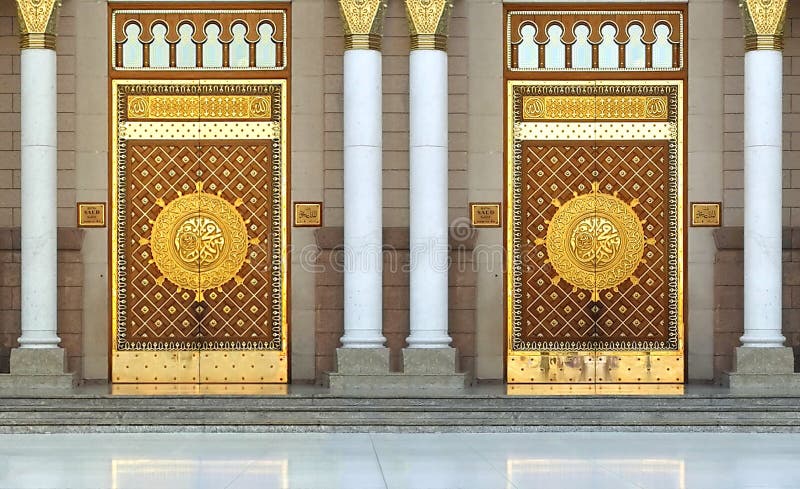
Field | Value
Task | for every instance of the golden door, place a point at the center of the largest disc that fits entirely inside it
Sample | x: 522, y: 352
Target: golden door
x: 199, y: 230
x: 595, y: 232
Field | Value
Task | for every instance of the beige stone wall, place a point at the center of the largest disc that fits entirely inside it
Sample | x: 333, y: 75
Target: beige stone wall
x: 703, y: 176
x: 308, y: 69
x: 734, y: 119
x: 91, y: 171
x: 485, y: 176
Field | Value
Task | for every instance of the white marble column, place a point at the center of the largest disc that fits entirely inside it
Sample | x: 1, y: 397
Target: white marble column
x: 428, y: 233
x: 363, y: 222
x: 428, y: 169
x: 763, y: 132
x: 363, y: 148
x: 38, y: 188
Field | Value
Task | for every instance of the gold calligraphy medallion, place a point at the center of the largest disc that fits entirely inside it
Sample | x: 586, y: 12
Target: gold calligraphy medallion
x: 595, y: 242
x: 199, y: 241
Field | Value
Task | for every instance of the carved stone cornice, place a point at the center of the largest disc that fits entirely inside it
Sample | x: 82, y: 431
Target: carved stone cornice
x: 763, y: 24
x: 363, y: 23
x: 428, y: 23
x: 38, y: 20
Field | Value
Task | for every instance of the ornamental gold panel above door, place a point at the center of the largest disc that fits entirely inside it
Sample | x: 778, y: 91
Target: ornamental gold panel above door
x: 595, y: 233
x: 199, y: 231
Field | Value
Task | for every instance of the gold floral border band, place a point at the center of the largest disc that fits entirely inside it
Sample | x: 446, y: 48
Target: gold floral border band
x: 764, y: 22
x: 38, y: 21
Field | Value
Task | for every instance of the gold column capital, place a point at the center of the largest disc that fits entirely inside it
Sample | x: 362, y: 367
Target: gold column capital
x: 763, y: 24
x: 428, y: 23
x: 38, y: 20
x: 363, y: 23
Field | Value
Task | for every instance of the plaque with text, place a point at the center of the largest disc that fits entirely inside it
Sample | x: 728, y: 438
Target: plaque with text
x: 485, y: 214
x: 706, y: 214
x: 308, y: 214
x: 91, y: 214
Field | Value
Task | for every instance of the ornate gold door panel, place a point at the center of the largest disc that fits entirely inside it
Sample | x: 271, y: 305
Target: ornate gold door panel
x: 199, y: 268
x: 595, y: 232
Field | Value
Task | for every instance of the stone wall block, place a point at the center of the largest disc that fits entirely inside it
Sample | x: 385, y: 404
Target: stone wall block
x: 330, y: 321
x: 729, y: 321
x: 791, y: 273
x: 729, y: 274
x: 728, y: 297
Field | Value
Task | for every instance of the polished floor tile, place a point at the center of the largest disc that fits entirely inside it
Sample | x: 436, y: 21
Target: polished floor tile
x: 414, y: 461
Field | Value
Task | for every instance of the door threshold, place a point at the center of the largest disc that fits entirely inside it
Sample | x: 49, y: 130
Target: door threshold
x: 595, y: 389
x: 199, y: 389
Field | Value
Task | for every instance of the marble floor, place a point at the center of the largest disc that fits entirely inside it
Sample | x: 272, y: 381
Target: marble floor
x: 415, y: 461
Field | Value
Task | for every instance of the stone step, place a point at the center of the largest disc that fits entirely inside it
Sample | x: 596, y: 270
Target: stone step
x: 337, y: 413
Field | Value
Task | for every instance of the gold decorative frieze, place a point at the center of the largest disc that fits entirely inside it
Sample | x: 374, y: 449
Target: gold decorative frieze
x: 428, y: 23
x: 38, y: 21
x: 763, y: 24
x: 363, y: 23
x: 213, y: 107
x: 592, y: 108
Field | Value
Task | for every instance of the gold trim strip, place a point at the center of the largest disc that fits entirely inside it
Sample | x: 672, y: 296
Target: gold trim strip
x: 595, y: 389
x: 199, y: 130
x: 763, y: 43
x: 370, y: 42
x: 588, y: 131
x: 35, y: 40
x: 437, y: 42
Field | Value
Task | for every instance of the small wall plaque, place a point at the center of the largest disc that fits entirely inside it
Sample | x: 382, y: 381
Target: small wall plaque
x: 91, y: 214
x: 307, y: 214
x: 485, y: 214
x: 706, y: 214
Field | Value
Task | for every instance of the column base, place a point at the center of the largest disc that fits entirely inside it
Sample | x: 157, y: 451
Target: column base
x: 763, y: 371
x: 37, y: 369
x: 426, y: 372
x: 362, y: 361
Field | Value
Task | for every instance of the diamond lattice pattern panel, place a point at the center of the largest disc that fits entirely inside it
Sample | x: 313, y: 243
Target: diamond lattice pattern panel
x: 237, y: 314
x: 241, y: 312
x: 160, y: 317
x: 555, y: 314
